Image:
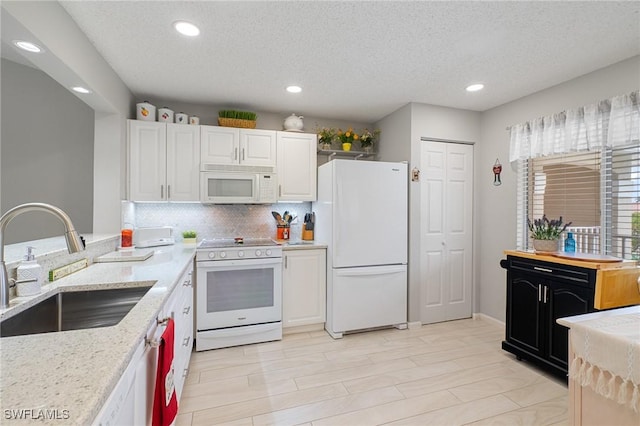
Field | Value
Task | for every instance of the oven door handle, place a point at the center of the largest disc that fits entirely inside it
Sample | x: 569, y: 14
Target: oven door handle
x: 214, y: 264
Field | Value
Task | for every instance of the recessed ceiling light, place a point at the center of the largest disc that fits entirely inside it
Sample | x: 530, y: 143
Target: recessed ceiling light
x: 29, y: 47
x: 294, y: 89
x: 186, y: 28
x: 80, y: 89
x: 475, y: 87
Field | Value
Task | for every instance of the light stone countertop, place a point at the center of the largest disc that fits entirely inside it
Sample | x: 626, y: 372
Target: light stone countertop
x: 300, y: 245
x: 77, y: 370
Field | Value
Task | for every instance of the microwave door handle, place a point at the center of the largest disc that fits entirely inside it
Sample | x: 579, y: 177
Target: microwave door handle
x: 256, y: 187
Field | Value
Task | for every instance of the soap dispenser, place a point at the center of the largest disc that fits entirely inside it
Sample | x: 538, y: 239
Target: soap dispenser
x: 28, y: 275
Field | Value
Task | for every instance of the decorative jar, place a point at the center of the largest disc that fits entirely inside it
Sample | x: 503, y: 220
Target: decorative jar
x: 294, y: 123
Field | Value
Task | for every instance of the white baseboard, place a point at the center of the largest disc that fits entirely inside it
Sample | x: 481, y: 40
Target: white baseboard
x: 412, y: 325
x: 302, y: 328
x: 484, y: 317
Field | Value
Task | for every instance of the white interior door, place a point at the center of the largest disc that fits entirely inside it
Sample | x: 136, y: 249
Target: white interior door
x: 446, y: 231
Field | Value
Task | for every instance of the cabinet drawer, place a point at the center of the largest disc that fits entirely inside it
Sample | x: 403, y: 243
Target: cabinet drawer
x: 579, y: 276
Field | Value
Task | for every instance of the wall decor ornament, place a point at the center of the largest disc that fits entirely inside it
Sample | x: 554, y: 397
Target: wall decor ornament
x: 497, y: 169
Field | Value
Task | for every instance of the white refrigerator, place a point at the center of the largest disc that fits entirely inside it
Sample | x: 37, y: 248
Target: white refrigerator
x: 361, y: 214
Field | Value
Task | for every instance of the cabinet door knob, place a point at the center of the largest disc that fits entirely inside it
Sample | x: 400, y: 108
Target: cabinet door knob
x: 161, y: 191
x: 235, y: 155
x: 186, y: 310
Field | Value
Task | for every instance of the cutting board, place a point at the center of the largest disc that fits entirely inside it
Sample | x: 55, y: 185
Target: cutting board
x: 586, y: 257
x: 125, y: 256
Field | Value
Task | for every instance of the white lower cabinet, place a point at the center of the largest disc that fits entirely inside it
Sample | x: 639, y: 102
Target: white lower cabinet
x: 131, y: 402
x: 304, y: 282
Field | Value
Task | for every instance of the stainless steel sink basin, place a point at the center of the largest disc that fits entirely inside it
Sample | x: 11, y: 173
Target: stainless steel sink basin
x: 74, y: 311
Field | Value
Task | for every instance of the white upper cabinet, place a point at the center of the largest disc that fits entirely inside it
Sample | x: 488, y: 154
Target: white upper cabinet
x: 228, y: 145
x: 297, y: 166
x: 164, y: 161
x: 219, y: 145
x: 183, y: 162
x: 258, y: 147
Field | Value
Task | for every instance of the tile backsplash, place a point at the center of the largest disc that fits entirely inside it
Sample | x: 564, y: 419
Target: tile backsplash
x: 215, y: 221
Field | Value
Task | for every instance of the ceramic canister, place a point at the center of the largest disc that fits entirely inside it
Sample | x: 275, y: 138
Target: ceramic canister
x: 145, y: 111
x: 165, y: 115
x: 294, y: 122
x: 194, y: 120
x: 182, y: 118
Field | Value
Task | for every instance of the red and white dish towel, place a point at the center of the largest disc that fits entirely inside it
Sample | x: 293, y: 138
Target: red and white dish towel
x: 165, y: 401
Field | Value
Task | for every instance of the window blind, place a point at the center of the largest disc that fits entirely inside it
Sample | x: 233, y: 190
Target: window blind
x: 621, y: 202
x: 584, y: 165
x: 598, y: 192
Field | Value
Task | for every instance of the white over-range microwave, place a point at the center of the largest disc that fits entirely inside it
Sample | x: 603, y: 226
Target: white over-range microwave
x: 235, y: 184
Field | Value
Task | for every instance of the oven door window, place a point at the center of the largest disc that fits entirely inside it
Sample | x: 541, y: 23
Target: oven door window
x: 235, y: 290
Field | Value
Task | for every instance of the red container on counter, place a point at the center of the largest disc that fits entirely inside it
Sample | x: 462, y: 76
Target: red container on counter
x: 126, y: 238
x: 283, y: 232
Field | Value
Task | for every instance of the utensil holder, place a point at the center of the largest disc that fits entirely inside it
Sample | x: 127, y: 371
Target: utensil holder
x: 307, y: 234
x: 283, y: 232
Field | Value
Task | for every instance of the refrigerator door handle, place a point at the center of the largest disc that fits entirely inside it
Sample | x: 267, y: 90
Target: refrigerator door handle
x: 373, y: 270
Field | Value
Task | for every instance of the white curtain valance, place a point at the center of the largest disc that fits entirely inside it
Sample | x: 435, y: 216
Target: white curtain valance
x: 610, y: 123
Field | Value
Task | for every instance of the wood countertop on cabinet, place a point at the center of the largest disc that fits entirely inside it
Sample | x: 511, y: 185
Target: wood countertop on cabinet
x: 616, y: 281
x: 590, y: 261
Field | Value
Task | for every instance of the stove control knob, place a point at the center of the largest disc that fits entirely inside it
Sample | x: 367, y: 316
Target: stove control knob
x: 258, y: 253
x: 223, y: 254
x: 240, y: 253
x: 268, y: 253
x: 212, y: 255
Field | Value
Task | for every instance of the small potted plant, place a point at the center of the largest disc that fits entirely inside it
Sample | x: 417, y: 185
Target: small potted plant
x: 347, y: 138
x: 189, y: 237
x: 367, y: 139
x: 546, y: 233
x: 326, y: 135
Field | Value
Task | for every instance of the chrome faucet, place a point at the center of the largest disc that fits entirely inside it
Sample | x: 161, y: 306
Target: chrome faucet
x: 74, y: 244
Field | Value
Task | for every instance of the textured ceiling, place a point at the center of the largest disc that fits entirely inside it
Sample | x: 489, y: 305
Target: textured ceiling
x: 355, y: 60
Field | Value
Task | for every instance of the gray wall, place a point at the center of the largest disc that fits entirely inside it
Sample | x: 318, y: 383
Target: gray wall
x: 402, y: 133
x: 47, y: 152
x: 208, y: 115
x: 432, y: 122
x: 496, y: 205
x: 71, y: 59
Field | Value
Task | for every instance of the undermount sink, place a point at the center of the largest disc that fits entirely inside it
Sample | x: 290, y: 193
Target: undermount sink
x: 74, y: 310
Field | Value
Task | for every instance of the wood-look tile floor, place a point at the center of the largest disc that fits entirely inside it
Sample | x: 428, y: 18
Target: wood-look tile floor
x: 452, y: 373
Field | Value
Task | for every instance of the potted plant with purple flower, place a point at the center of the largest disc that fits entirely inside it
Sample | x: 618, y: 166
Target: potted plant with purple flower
x: 546, y: 233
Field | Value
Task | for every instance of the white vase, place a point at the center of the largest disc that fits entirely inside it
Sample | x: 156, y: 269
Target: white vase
x: 545, y: 246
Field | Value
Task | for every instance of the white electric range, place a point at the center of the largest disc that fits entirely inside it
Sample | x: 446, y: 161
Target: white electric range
x: 238, y: 292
